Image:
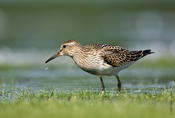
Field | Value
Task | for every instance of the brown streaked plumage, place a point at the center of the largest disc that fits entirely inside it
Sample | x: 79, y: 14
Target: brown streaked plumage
x: 100, y: 59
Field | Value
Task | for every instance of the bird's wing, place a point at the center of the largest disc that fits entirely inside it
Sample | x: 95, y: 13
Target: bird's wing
x: 117, y: 56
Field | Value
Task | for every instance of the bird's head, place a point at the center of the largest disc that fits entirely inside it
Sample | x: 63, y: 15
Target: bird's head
x: 68, y: 48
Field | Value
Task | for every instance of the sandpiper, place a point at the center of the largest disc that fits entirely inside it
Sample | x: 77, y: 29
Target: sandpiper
x: 100, y: 59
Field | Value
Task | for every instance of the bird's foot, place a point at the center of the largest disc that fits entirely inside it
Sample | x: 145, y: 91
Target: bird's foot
x: 119, y: 92
x: 102, y: 92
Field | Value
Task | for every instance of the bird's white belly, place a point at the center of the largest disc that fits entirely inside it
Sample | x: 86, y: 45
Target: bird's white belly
x: 105, y: 69
x: 95, y: 67
x: 98, y: 67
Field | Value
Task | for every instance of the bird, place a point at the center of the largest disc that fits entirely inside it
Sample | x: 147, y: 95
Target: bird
x: 100, y: 59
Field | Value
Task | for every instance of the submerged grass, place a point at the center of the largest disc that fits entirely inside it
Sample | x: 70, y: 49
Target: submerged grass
x: 86, y: 104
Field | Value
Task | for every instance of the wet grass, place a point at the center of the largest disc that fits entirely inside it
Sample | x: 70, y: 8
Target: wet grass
x: 86, y: 104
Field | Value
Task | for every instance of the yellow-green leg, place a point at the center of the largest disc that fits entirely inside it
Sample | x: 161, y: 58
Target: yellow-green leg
x: 119, y: 83
x: 102, y: 83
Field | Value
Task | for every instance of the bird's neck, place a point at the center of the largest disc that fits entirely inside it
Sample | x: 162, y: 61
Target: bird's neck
x: 79, y: 57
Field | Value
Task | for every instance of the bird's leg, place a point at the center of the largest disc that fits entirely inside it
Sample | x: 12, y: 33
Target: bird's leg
x: 103, y: 86
x: 119, y: 83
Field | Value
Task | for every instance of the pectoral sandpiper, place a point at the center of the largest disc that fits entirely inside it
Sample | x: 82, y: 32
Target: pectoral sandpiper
x: 100, y: 59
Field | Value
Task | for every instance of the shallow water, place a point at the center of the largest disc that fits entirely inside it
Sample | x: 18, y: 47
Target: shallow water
x: 26, y: 69
x: 69, y: 79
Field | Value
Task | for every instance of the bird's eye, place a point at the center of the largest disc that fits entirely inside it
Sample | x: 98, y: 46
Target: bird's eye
x: 64, y: 46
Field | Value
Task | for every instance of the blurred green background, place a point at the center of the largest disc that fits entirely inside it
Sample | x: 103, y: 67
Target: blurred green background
x: 44, y: 23
x: 32, y: 30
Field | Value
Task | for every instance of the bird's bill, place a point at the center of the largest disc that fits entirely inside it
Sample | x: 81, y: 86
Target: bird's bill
x: 53, y: 57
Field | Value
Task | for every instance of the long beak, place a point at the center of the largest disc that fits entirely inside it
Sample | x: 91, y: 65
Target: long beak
x: 53, y: 57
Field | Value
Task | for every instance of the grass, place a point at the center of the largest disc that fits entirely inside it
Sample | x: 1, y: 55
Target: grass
x: 24, y: 103
x: 52, y: 103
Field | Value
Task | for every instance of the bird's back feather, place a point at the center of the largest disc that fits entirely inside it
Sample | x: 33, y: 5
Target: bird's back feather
x: 117, y: 56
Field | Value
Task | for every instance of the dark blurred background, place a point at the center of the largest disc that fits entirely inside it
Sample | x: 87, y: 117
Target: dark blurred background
x: 32, y: 30
x: 45, y: 23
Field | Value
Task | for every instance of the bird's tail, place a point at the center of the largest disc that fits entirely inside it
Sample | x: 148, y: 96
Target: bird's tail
x: 135, y: 55
x: 146, y: 52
